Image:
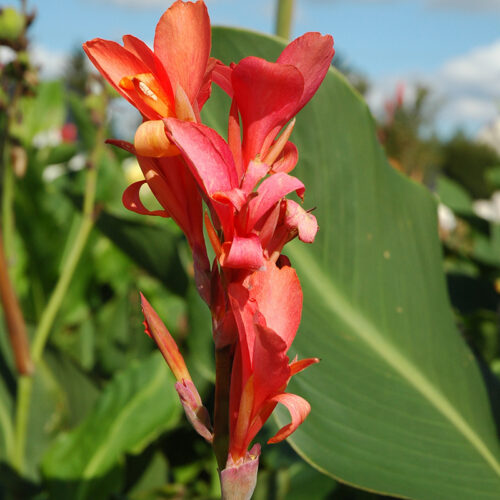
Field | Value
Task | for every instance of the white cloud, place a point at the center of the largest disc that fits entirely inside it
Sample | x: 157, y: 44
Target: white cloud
x: 467, y: 88
x: 51, y: 63
x: 473, y: 5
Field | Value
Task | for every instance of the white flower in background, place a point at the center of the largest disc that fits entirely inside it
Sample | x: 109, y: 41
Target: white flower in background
x: 7, y: 55
x: 52, y: 172
x: 488, y: 209
x: 78, y: 162
x: 446, y: 218
x: 51, y: 137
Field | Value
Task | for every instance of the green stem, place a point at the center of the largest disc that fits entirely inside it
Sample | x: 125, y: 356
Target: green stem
x: 284, y: 18
x: 7, y: 207
x: 24, y: 388
x: 55, y: 301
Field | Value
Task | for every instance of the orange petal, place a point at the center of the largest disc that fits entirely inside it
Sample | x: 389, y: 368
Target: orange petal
x: 182, y: 44
x: 150, y: 140
x: 165, y: 342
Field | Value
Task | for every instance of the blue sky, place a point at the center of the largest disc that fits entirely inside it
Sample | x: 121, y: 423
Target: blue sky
x: 451, y: 45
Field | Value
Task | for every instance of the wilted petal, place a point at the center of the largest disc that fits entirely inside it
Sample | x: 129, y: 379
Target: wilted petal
x: 287, y: 160
x: 182, y: 45
x: 304, y: 222
x: 298, y: 407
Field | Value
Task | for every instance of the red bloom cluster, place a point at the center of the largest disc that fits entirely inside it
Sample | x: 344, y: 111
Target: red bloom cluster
x: 252, y: 291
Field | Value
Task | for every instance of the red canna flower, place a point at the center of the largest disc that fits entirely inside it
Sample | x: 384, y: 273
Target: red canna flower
x: 173, y: 80
x: 267, y: 307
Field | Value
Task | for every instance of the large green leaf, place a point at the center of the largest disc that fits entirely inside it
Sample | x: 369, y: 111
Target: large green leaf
x: 398, y: 403
x: 133, y: 409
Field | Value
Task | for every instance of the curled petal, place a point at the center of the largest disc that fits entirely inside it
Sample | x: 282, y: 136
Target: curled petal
x: 126, y: 146
x: 150, y: 140
x: 242, y: 253
x: 182, y: 45
x: 270, y: 192
x: 287, y: 160
x: 298, y: 407
x: 255, y: 172
x: 298, y: 366
x: 207, y: 154
x: 222, y: 77
x: 132, y: 201
x: 312, y: 55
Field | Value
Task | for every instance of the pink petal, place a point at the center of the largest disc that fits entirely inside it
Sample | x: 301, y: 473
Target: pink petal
x: 182, y: 45
x: 298, y: 407
x: 255, y: 172
x: 302, y: 221
x: 243, y: 252
x: 196, y: 413
x: 267, y: 94
x: 270, y: 192
x: 206, y: 86
x: 312, y: 55
x: 239, y: 478
x: 206, y: 153
x: 132, y: 201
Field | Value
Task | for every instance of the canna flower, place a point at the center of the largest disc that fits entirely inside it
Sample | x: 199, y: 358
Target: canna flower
x: 267, y: 307
x: 173, y: 80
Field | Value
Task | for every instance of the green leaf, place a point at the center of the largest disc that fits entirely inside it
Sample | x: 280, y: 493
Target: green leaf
x: 152, y: 247
x: 6, y: 423
x: 134, y: 408
x: 398, y: 403
x: 453, y: 195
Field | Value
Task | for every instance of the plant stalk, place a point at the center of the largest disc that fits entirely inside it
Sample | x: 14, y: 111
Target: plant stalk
x: 55, y: 301
x: 223, y: 362
x: 284, y: 16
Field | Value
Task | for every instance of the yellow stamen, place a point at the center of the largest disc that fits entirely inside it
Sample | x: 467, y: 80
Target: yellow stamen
x: 279, y: 145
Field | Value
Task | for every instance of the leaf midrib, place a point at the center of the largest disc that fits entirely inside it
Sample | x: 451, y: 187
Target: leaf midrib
x: 364, y: 329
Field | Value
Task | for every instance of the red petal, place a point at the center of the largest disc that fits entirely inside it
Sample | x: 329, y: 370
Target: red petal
x: 115, y: 62
x: 131, y: 200
x: 182, y: 44
x: 298, y: 407
x: 206, y: 86
x: 222, y: 77
x: 312, y: 55
x: 270, y: 192
x: 267, y: 95
x: 279, y: 298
